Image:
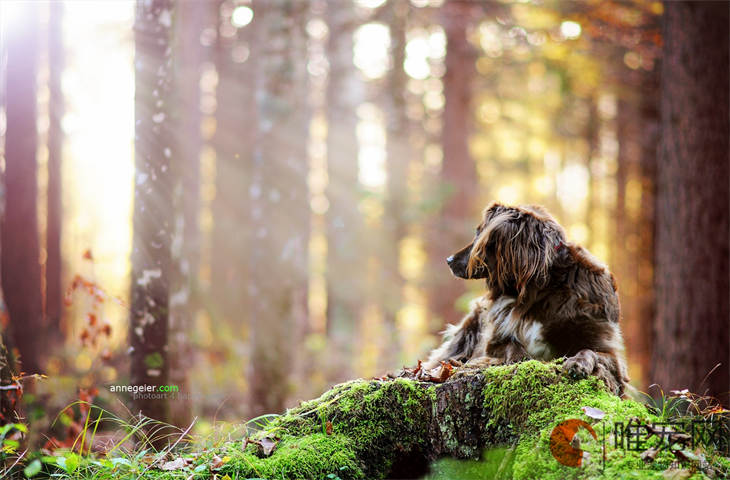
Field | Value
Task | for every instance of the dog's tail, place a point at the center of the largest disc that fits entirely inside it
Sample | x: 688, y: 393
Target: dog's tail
x: 459, y: 341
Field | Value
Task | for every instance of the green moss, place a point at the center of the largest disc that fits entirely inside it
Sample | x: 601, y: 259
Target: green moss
x: 494, y: 464
x: 379, y: 419
x: 313, y: 456
x: 525, y: 402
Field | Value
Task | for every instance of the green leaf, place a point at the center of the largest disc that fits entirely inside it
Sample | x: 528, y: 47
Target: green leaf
x: 69, y: 463
x: 33, y: 468
x: 21, y: 427
x: 10, y: 445
x: 121, y: 461
x: 201, y: 468
x: 154, y: 360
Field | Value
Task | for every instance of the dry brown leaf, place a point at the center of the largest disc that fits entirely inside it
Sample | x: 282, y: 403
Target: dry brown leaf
x: 177, y: 464
x: 216, y: 462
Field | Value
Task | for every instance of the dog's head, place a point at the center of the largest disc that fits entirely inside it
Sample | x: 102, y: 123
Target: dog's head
x: 513, y: 248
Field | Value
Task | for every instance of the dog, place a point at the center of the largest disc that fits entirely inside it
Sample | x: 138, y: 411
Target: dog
x: 546, y: 298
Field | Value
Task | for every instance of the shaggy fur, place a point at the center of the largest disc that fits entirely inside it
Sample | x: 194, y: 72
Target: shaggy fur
x: 546, y: 298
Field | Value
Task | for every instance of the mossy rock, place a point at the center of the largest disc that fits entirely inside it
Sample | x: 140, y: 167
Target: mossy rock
x: 500, y: 417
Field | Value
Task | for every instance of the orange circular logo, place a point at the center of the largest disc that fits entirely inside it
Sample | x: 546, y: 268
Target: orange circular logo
x: 561, y: 440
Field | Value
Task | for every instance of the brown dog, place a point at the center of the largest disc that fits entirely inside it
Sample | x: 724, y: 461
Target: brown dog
x: 546, y: 298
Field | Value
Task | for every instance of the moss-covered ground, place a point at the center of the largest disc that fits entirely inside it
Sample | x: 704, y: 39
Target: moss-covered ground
x: 501, y: 419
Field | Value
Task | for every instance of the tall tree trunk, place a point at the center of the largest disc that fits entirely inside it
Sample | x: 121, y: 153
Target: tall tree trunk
x: 343, y: 221
x: 231, y: 206
x: 459, y: 213
x: 398, y: 155
x: 55, y: 152
x: 649, y: 140
x: 153, y: 219
x: 692, y: 199
x: 593, y: 138
x: 192, y: 19
x: 21, y: 274
x: 11, y: 390
x: 280, y: 204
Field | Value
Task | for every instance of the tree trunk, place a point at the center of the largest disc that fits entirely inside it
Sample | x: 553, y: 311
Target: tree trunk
x: 593, y: 138
x: 154, y: 219
x: 398, y: 154
x: 21, y: 274
x: 10, y: 389
x: 459, y: 213
x: 233, y: 141
x: 280, y: 205
x: 693, y: 232
x: 345, y: 255
x: 650, y: 137
x: 192, y: 19
x: 54, y: 292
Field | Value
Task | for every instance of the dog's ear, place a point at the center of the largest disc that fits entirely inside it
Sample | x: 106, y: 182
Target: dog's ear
x: 533, y: 254
x: 525, y: 244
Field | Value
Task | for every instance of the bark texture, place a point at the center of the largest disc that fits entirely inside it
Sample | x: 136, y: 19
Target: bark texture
x: 21, y: 272
x: 399, y: 154
x: 234, y: 136
x: 153, y: 217
x: 192, y: 17
x: 343, y: 220
x: 692, y: 329
x: 54, y: 294
x: 279, y: 206
x: 458, y: 215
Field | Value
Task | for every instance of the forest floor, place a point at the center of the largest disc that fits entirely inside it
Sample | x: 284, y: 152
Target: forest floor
x: 506, y: 422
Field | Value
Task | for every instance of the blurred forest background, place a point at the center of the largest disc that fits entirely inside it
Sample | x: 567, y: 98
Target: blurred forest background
x: 253, y: 200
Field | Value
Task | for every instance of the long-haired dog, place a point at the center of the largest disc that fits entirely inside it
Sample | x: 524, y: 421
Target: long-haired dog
x: 546, y: 298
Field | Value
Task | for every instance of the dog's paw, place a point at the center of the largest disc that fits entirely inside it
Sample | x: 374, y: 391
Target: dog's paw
x: 577, y: 367
x: 482, y: 362
x: 612, y: 384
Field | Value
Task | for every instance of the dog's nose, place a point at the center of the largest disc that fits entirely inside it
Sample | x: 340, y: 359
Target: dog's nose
x: 450, y: 259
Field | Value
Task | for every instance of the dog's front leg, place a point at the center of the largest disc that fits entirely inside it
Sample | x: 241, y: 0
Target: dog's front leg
x: 603, y: 365
x: 507, y: 350
x: 460, y: 341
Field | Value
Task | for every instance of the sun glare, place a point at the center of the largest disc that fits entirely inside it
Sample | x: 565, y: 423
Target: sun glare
x: 570, y: 29
x: 241, y: 16
x: 372, y: 41
x: 98, y: 84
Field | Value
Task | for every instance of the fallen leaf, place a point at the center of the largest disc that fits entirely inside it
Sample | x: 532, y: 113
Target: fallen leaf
x: 216, y: 462
x: 328, y: 428
x: 267, y: 446
x: 593, y: 413
x: 685, y: 456
x: 177, y: 464
x: 676, y: 474
x: 649, y: 455
x: 446, y: 371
